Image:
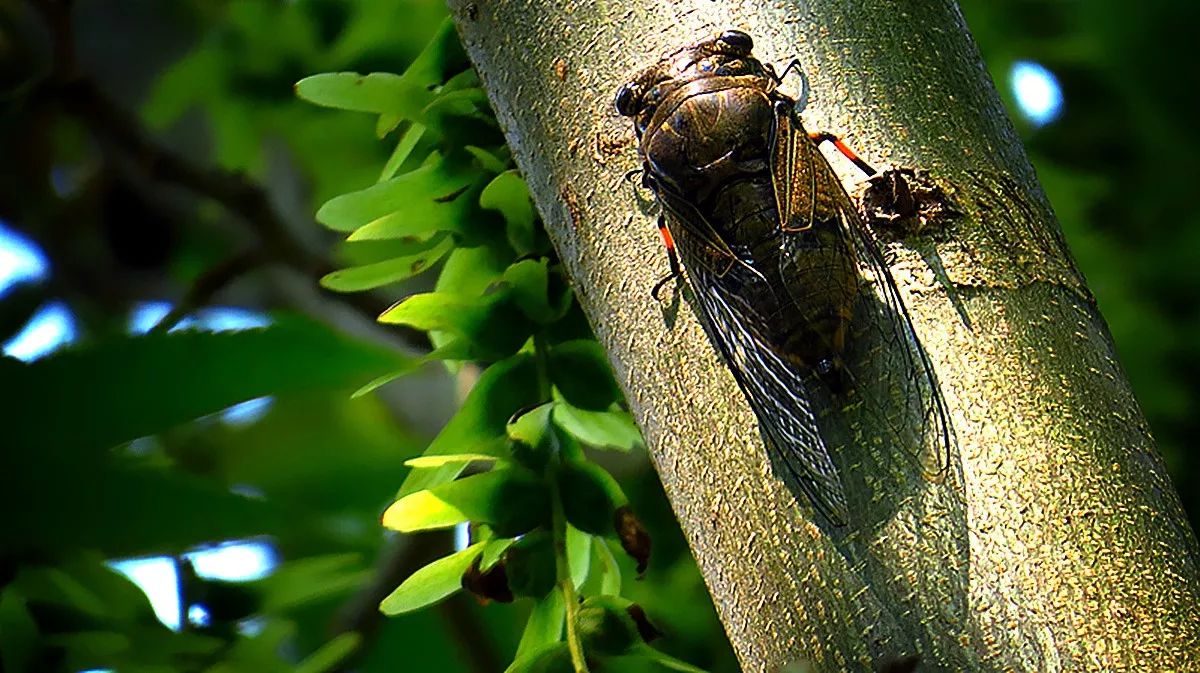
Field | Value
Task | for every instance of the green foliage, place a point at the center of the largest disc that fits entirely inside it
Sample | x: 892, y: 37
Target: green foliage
x: 544, y: 628
x: 331, y: 654
x: 432, y: 583
x: 501, y: 299
x: 511, y: 501
x: 590, y: 496
x: 393, y: 270
x: 580, y: 372
x: 127, y: 377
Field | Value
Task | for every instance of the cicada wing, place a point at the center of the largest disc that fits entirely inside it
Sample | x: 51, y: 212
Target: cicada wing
x: 783, y: 396
x: 705, y: 247
x: 884, y: 361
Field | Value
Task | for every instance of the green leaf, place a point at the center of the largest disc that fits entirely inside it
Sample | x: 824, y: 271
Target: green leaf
x: 420, y: 217
x: 532, y: 444
x: 452, y: 350
x: 331, y: 654
x: 610, y: 572
x: 18, y: 632
x: 580, y: 371
x: 579, y: 554
x: 55, y: 586
x: 590, y: 496
x: 258, y: 652
x: 379, y: 381
x: 487, y: 161
x: 85, y: 585
x: 491, y: 323
x: 308, y: 580
x: 432, y: 583
x: 139, y: 385
x: 359, y: 278
x: 404, y: 147
x: 439, y: 179
x: 439, y: 311
x: 438, y: 461
x: 470, y: 271
x: 378, y: 92
x: 361, y: 253
x: 601, y: 429
x: 388, y: 122
x: 535, y: 291
x: 73, y: 502
x: 508, y: 194
x: 545, y: 625
x: 199, y: 75
x: 549, y: 658
x: 606, y: 627
x: 494, y: 551
x: 440, y: 58
x: 531, y: 426
x: 459, y: 114
x: 530, y: 565
x: 467, y: 79
x: 94, y: 647
x: 501, y: 390
x: 510, y: 501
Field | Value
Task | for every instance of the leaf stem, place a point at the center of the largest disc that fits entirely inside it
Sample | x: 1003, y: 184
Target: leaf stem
x: 542, y: 358
x: 559, y: 524
x: 563, y: 572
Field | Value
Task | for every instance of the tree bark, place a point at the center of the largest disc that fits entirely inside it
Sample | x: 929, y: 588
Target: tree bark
x: 1056, y: 540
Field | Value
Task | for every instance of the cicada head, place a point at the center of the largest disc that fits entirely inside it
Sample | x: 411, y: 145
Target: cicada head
x: 726, y: 55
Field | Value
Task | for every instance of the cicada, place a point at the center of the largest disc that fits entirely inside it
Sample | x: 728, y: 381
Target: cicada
x: 792, y: 287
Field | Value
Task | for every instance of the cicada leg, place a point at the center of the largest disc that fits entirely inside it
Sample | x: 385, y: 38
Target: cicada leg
x: 825, y: 136
x: 672, y: 257
x: 792, y: 66
x: 634, y: 184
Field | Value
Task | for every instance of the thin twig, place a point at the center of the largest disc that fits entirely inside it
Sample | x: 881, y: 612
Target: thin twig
x: 207, y: 285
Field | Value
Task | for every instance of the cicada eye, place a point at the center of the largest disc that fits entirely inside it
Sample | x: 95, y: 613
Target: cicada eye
x: 738, y: 41
x: 627, y: 100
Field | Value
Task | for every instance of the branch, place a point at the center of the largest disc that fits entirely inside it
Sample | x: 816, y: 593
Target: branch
x: 80, y: 97
x: 1055, y: 541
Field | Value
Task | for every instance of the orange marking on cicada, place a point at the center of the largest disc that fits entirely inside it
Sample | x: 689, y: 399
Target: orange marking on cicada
x: 825, y: 136
x: 672, y: 257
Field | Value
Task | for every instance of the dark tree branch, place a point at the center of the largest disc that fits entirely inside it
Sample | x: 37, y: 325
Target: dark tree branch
x: 208, y: 284
x: 80, y: 97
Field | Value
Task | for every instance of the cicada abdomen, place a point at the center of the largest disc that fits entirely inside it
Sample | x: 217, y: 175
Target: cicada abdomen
x: 786, y: 275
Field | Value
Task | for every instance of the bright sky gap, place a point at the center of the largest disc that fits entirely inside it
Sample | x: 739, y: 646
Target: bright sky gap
x: 1037, y: 92
x: 235, y: 561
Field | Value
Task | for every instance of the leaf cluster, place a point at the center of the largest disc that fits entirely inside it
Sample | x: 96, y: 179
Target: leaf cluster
x: 543, y: 517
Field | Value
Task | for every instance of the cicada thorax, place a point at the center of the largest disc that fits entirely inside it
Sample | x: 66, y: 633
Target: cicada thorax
x: 709, y: 145
x: 708, y: 132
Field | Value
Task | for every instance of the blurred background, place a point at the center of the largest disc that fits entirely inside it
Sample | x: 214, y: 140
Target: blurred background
x: 159, y: 173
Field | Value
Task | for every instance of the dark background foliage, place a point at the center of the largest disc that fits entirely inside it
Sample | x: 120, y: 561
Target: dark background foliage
x: 155, y: 152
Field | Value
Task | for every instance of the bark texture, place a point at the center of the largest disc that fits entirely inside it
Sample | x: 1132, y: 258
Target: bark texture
x: 1055, y: 542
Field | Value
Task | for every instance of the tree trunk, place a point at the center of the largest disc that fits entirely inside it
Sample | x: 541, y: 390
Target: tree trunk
x: 1056, y: 540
